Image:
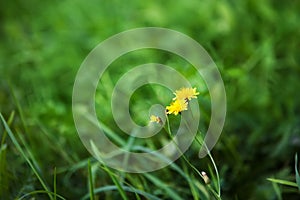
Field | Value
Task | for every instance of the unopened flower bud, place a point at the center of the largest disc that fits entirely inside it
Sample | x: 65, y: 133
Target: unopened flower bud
x: 205, y: 178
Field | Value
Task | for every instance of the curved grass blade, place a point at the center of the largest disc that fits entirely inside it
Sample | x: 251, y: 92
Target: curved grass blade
x: 18, y: 146
x: 125, y: 188
x: 41, y: 192
x: 172, y: 194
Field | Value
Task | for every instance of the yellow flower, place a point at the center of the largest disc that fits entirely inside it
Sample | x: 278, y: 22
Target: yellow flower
x: 154, y: 118
x: 185, y: 94
x: 177, y: 106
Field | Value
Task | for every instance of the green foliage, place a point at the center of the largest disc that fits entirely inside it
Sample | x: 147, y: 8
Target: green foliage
x: 285, y: 182
x: 255, y: 45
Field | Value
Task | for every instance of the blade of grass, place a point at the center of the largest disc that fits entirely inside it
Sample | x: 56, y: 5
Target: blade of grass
x: 4, y: 175
x: 192, y: 186
x: 18, y: 146
x: 172, y: 194
x: 116, y: 182
x: 21, y: 113
x: 163, y: 159
x: 9, y: 121
x: 277, y: 190
x: 109, y: 172
x: 116, y: 138
x: 74, y: 167
x: 297, y: 172
x: 41, y: 192
x: 176, y: 168
x: 20, y: 110
x: 283, y: 182
x: 54, y: 183
x: 126, y: 188
x: 128, y: 178
x: 91, y: 184
x: 53, y: 144
x: 29, y: 152
x: 201, y: 188
x: 127, y: 148
x: 213, y: 178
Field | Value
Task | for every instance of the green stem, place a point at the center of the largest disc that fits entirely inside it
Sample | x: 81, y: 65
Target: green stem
x: 168, y: 129
x: 214, y: 164
x: 212, y: 160
x: 216, y: 194
x: 217, y: 173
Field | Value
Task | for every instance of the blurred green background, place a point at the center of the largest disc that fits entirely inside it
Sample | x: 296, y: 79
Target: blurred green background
x: 255, y: 44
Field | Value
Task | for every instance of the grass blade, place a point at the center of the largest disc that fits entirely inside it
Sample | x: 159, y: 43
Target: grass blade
x: 126, y: 188
x: 41, y: 192
x: 283, y: 182
x: 162, y: 185
x: 91, y: 184
x: 18, y: 146
x: 109, y: 172
x: 277, y: 190
x: 54, y: 183
x: 192, y: 186
x: 177, y: 169
x: 297, y: 172
x: 4, y: 175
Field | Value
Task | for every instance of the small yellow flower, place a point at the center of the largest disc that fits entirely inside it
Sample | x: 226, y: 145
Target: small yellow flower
x: 185, y: 94
x: 154, y: 118
x: 177, y: 106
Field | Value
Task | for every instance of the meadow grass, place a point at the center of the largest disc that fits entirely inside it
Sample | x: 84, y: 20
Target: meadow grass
x: 255, y: 45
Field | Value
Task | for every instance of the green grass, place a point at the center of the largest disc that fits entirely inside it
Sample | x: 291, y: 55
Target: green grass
x: 255, y: 45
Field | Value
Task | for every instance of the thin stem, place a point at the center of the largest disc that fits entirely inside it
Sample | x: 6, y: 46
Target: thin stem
x: 168, y: 129
x: 168, y: 126
x: 216, y: 194
x: 212, y: 160
x: 217, y: 173
x: 54, y: 183
x: 214, y: 164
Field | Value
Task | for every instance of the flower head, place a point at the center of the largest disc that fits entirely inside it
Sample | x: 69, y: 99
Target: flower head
x: 156, y: 119
x: 177, y: 106
x: 185, y: 94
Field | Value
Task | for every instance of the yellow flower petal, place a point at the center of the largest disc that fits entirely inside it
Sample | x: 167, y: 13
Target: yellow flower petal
x: 185, y: 94
x: 176, y: 107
